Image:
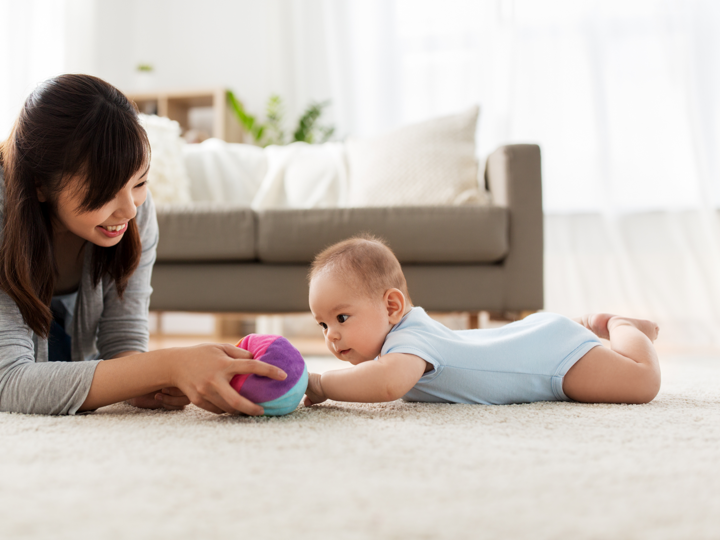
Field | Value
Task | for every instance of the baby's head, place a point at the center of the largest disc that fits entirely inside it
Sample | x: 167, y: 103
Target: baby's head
x: 357, y: 294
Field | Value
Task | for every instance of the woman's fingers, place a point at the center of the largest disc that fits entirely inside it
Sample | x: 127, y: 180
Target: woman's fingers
x: 237, y: 403
x: 257, y: 367
x: 208, y: 406
x: 172, y: 391
x: 236, y: 352
x: 223, y: 398
x: 172, y: 407
x: 174, y: 401
x: 172, y: 398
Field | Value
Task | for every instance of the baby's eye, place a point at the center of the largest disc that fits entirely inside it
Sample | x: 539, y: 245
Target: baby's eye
x: 342, y: 318
x: 323, y: 325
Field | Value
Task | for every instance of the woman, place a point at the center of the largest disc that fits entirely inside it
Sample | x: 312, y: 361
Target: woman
x: 77, y: 246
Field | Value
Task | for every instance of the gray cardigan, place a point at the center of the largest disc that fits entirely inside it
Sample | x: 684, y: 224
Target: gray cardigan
x: 103, y: 326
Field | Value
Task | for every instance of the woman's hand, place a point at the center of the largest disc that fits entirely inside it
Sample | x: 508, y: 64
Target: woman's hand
x: 171, y: 399
x: 314, y: 393
x: 203, y: 374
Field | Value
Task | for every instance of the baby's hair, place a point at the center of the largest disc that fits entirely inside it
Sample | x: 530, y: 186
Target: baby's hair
x: 367, y: 261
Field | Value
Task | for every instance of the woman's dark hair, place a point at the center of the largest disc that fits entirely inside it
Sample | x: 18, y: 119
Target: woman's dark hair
x: 71, y: 126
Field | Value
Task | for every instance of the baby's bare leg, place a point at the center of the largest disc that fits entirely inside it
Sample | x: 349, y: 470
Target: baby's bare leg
x: 628, y: 372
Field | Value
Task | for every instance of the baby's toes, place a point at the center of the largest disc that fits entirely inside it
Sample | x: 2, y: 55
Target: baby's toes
x: 655, y: 333
x: 599, y: 324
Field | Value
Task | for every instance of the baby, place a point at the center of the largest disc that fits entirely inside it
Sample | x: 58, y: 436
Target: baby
x: 359, y: 297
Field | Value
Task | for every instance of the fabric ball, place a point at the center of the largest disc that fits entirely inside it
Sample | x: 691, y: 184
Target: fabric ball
x: 276, y: 397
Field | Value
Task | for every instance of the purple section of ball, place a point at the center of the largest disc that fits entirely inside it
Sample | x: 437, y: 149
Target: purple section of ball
x: 282, y: 354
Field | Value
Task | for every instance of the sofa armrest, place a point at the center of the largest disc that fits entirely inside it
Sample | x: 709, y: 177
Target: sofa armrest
x: 513, y: 176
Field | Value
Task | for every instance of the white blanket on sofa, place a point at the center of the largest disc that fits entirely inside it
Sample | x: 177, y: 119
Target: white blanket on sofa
x: 298, y: 175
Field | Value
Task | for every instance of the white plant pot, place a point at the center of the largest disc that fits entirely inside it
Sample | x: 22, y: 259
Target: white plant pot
x: 144, y: 80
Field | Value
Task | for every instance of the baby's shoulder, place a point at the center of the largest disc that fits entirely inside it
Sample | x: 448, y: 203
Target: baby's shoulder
x: 414, y: 335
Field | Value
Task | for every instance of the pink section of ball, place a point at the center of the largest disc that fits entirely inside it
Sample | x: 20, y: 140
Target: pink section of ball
x: 238, y: 380
x: 257, y: 345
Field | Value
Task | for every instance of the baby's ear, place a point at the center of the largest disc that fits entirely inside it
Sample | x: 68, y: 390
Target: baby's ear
x: 395, y: 304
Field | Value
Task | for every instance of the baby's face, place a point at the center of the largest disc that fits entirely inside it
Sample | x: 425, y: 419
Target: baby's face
x: 354, y: 325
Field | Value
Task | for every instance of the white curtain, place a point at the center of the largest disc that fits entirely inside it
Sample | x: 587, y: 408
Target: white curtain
x: 32, y: 49
x: 620, y: 95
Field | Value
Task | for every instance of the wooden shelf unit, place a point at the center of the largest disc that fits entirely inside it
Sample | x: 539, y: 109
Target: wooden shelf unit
x: 176, y: 104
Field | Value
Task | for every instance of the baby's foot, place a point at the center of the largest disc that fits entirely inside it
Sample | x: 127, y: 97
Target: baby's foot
x: 649, y: 328
x: 597, y: 323
x: 601, y: 324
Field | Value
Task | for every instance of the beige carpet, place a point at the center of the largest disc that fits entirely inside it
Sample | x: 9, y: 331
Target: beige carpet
x: 546, y: 470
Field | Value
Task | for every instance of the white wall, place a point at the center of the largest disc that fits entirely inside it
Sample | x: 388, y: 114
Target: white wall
x: 248, y: 46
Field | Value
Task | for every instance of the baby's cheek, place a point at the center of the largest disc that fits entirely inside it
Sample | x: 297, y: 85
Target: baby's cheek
x: 373, y: 352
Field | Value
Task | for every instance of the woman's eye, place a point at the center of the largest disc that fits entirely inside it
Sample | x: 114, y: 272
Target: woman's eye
x: 342, y: 318
x: 141, y: 184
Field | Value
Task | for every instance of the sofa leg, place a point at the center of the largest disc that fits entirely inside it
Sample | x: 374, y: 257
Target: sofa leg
x: 233, y: 326
x: 473, y: 320
x: 509, y: 316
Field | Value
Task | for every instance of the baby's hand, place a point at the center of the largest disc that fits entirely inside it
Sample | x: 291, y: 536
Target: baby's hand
x: 314, y: 393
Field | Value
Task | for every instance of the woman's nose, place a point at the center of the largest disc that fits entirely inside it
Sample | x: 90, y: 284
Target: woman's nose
x: 127, y: 208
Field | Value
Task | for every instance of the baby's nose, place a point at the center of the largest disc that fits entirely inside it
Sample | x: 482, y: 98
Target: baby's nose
x: 333, y: 335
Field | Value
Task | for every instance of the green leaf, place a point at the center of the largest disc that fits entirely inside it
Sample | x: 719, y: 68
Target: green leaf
x: 246, y: 120
x: 307, y: 124
x: 271, y: 131
x: 274, y: 133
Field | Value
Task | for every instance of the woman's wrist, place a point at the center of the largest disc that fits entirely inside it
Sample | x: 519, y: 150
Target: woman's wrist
x: 127, y: 377
x: 165, y: 366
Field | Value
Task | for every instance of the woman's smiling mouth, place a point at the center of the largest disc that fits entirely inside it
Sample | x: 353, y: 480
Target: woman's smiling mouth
x: 111, y: 231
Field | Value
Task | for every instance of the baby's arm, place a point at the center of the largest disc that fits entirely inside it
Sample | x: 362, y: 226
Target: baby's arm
x: 386, y: 379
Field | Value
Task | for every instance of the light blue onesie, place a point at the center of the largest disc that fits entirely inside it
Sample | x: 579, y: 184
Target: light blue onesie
x: 521, y: 362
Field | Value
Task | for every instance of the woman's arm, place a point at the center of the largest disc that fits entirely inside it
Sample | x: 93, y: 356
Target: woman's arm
x: 202, y: 373
x: 169, y: 398
x: 386, y: 379
x: 31, y: 387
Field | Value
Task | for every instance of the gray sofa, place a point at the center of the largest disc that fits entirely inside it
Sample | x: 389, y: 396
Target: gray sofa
x: 456, y: 258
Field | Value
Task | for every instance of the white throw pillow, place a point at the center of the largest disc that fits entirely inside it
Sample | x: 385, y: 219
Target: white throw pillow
x: 224, y: 172
x: 431, y: 163
x: 168, y: 179
x: 302, y: 175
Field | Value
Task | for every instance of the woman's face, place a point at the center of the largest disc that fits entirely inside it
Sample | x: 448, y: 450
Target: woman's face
x: 105, y: 226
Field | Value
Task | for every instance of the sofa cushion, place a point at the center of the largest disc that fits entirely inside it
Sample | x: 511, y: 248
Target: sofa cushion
x: 433, y: 234
x: 205, y: 232
x: 431, y: 163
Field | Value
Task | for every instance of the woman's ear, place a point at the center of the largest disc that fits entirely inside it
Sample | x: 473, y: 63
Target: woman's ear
x: 395, y: 303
